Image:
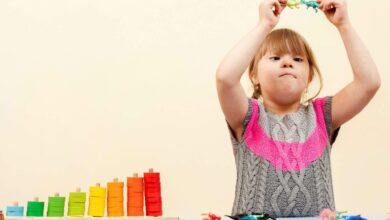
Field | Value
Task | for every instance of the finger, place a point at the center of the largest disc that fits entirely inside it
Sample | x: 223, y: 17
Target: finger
x: 282, y: 2
x: 322, y: 3
x: 326, y: 7
x: 332, y: 4
x: 281, y: 9
x: 277, y: 7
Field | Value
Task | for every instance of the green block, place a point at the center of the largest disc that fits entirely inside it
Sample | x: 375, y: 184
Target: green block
x: 35, y: 208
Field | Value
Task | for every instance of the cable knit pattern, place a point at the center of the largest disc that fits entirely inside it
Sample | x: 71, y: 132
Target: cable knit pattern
x: 279, y: 147
x: 283, y: 162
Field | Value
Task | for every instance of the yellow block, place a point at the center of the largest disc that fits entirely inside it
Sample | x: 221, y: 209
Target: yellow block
x: 97, y: 201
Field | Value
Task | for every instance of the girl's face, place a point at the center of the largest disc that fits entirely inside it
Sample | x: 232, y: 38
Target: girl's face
x: 283, y: 77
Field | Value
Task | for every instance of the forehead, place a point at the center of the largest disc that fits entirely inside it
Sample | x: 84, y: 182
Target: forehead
x: 280, y: 44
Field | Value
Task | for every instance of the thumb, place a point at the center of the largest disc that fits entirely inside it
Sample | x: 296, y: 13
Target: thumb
x: 278, y: 8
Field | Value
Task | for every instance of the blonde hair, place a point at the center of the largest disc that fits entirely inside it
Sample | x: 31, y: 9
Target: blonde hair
x: 283, y: 41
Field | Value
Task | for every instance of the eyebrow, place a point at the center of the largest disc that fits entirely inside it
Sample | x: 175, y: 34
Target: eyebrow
x: 281, y: 54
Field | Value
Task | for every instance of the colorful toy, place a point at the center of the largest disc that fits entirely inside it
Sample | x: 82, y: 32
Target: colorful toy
x: 15, y: 210
x: 153, y: 200
x: 311, y: 3
x: 353, y: 217
x: 210, y: 216
x: 135, y: 195
x: 328, y: 214
x: 139, y: 189
x: 35, y: 208
x: 339, y: 215
x: 115, y: 198
x: 76, y: 204
x: 295, y: 4
x: 253, y: 216
x: 56, y: 206
x: 292, y: 3
x: 97, y: 200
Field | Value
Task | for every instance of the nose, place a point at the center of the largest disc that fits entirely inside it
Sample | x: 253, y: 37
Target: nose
x: 287, y: 62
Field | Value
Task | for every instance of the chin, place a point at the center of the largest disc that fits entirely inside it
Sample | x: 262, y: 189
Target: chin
x: 287, y: 101
x: 286, y: 98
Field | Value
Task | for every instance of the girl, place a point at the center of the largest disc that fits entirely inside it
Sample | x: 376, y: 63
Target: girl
x: 281, y: 138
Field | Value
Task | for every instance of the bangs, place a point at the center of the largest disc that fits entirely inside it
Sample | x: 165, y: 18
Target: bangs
x: 282, y: 41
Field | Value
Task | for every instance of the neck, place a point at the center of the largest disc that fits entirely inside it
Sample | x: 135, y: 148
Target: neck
x: 281, y: 109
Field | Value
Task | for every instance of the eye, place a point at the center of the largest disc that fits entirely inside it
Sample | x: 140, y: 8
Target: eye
x: 274, y: 58
x: 298, y: 59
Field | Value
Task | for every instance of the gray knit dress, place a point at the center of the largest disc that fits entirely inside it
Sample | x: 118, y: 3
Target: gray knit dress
x: 283, y: 162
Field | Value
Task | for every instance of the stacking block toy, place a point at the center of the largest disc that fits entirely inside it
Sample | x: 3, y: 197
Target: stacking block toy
x: 76, y: 205
x: 143, y: 199
x: 15, y: 210
x: 97, y: 201
x: 153, y: 199
x: 56, y: 206
x: 135, y: 196
x: 35, y: 208
x: 115, y: 198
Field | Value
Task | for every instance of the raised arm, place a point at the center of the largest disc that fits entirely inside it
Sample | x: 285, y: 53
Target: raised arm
x: 366, y: 80
x: 232, y: 97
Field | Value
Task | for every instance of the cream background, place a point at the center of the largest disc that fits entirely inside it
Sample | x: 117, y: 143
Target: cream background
x: 91, y: 90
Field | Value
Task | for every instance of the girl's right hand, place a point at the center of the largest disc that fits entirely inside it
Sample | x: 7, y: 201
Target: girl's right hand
x: 269, y: 12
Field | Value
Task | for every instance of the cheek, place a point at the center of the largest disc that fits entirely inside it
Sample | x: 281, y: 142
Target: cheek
x: 263, y: 70
x: 303, y: 84
x: 305, y: 77
x: 265, y: 78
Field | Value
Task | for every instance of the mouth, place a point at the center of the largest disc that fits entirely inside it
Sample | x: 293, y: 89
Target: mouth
x: 287, y: 75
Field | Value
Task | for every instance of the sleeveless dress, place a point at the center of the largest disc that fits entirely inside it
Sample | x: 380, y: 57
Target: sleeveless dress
x: 283, y: 162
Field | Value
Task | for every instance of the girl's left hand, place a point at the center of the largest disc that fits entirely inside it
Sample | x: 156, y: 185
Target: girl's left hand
x: 336, y: 11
